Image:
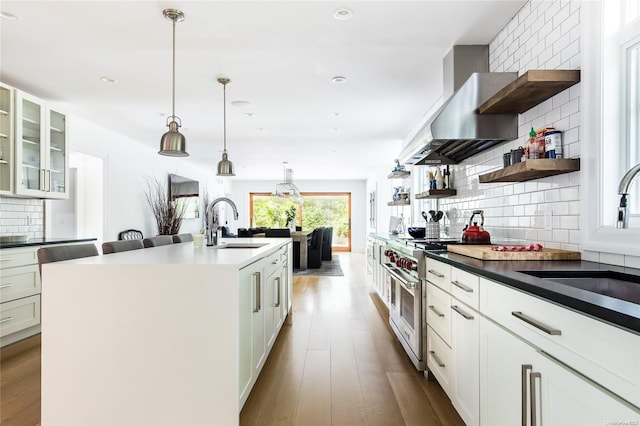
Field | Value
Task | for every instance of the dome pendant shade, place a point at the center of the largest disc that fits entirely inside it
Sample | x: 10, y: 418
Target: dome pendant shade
x: 225, y: 167
x: 173, y: 143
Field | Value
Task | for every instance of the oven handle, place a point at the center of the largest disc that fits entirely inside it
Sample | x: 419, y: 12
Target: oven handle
x: 409, y: 285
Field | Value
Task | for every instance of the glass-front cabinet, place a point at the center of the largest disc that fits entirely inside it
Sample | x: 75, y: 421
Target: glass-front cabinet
x: 6, y: 139
x: 41, y: 149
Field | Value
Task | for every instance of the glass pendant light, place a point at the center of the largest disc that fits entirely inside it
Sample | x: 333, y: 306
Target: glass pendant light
x: 225, y: 167
x: 173, y: 143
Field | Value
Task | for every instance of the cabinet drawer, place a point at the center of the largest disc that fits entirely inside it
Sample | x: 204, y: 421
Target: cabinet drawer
x: 273, y: 262
x: 439, y: 273
x: 465, y: 287
x: 439, y: 359
x: 10, y: 258
x: 19, y: 314
x: 606, y: 354
x: 19, y: 282
x: 439, y: 312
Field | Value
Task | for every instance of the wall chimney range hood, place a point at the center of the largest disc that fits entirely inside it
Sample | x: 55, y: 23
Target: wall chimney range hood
x: 456, y: 131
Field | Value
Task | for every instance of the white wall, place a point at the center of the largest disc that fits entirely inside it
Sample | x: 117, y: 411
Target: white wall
x: 543, y: 35
x: 127, y: 166
x: 359, y: 202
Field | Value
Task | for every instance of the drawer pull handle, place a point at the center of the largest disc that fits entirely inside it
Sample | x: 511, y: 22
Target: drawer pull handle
x: 257, y: 292
x: 6, y: 285
x: 437, y: 312
x: 436, y: 273
x: 5, y: 319
x: 525, y: 368
x: 6, y: 259
x: 278, y: 293
x: 537, y: 324
x: 462, y: 286
x: 461, y: 312
x: 436, y: 359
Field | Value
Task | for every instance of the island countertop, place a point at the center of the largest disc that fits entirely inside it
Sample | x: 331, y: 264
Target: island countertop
x: 161, y: 335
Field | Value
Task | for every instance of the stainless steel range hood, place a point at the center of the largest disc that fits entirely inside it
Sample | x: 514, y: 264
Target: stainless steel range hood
x: 456, y: 131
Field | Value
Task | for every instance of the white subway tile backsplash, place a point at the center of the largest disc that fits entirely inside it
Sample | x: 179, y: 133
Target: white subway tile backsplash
x: 612, y: 259
x: 590, y: 256
x: 14, y: 213
x: 569, y: 222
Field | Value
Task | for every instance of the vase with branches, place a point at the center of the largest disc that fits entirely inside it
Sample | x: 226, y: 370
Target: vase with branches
x: 167, y: 213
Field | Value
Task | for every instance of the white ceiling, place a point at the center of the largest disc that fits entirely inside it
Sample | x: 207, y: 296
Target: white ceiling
x: 280, y: 57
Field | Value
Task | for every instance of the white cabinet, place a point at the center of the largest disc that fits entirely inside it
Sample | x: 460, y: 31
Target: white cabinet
x: 6, y: 139
x: 465, y: 377
x: 265, y: 300
x: 41, y: 161
x: 19, y: 294
x: 522, y: 386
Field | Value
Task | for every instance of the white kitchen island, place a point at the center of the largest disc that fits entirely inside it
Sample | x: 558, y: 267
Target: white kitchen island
x: 171, y: 335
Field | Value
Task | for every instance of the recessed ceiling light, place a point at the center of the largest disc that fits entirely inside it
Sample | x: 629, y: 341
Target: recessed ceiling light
x: 241, y: 104
x: 342, y: 14
x: 335, y: 114
x: 335, y: 129
x: 249, y: 114
x: 108, y: 80
x: 260, y: 129
x: 8, y: 16
x: 339, y: 79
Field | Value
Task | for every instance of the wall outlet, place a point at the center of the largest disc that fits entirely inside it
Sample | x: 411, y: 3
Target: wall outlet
x: 548, y: 221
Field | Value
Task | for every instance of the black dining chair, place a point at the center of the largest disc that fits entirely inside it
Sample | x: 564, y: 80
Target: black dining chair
x: 130, y: 234
x: 327, y: 241
x: 123, y: 245
x: 277, y: 233
x: 314, y: 251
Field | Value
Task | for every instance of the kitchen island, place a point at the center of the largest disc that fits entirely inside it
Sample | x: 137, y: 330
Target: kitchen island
x: 164, y: 336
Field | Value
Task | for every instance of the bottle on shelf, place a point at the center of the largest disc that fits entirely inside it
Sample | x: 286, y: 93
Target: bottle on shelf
x: 447, y: 178
x: 532, y: 146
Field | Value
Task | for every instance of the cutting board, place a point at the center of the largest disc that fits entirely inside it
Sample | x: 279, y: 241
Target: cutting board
x: 484, y: 252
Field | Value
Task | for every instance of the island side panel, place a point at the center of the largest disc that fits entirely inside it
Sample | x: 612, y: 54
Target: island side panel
x: 139, y: 344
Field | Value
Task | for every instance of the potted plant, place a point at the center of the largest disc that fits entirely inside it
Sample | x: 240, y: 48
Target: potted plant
x: 167, y: 213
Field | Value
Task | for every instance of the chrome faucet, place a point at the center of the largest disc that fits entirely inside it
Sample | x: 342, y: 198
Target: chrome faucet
x: 623, y: 189
x: 212, y: 214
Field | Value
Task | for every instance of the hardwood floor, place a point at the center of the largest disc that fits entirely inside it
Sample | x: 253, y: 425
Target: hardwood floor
x: 336, y: 363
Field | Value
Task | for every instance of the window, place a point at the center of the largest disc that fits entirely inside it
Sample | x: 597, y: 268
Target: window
x: 610, y: 96
x: 318, y: 209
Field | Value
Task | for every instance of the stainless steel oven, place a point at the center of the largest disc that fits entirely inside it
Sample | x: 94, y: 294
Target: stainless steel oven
x: 407, y: 299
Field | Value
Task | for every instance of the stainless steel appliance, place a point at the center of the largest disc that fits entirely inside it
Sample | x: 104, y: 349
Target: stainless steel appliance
x: 405, y: 265
x: 457, y: 131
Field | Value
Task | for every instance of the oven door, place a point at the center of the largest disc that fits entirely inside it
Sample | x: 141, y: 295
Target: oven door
x: 405, y: 313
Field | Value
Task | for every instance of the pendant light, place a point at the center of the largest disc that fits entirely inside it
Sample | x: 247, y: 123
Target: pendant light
x: 225, y: 167
x: 173, y: 143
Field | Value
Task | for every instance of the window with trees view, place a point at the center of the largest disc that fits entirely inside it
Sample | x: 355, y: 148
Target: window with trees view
x: 317, y: 209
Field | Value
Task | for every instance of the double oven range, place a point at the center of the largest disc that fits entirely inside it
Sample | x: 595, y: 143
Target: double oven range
x: 405, y: 266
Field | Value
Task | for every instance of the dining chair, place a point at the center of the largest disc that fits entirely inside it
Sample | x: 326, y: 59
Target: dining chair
x: 123, y: 245
x: 130, y: 234
x: 182, y: 238
x: 327, y: 241
x: 314, y: 251
x: 160, y: 240
x: 66, y: 252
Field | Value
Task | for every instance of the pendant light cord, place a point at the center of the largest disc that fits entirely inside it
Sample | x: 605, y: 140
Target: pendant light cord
x: 173, y: 83
x: 224, y: 115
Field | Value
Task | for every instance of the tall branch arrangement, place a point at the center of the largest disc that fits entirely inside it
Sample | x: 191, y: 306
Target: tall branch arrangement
x: 167, y: 213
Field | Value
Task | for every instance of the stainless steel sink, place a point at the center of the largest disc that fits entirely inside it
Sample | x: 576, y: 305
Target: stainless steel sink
x: 607, y: 283
x: 240, y: 245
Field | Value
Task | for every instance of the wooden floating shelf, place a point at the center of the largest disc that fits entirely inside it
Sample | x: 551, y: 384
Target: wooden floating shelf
x: 399, y: 174
x: 436, y: 193
x: 532, y: 169
x: 399, y: 203
x: 528, y: 90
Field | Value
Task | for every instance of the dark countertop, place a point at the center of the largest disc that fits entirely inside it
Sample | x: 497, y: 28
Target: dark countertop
x: 618, y: 312
x: 45, y: 241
